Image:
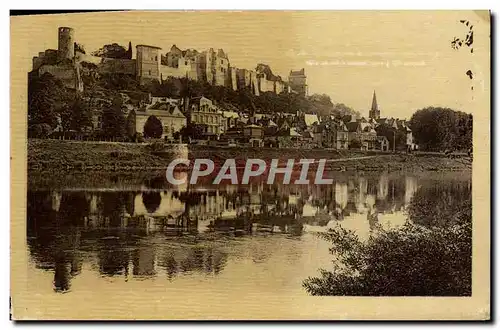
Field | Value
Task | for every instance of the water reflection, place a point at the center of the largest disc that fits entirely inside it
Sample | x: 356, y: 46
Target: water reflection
x: 155, y: 230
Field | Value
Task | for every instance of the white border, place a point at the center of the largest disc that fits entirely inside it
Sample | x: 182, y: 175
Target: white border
x: 193, y: 4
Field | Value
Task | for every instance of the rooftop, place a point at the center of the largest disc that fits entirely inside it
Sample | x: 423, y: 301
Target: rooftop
x: 148, y: 46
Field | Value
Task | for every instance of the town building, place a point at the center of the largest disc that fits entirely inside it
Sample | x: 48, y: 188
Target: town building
x: 203, y: 111
x: 254, y: 134
x: 168, y: 114
x: 364, y: 133
x: 298, y: 82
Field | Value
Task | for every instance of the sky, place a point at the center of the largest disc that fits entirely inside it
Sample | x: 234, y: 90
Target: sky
x: 404, y: 56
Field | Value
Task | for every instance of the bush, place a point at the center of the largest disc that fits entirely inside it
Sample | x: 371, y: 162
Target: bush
x: 157, y: 146
x: 139, y: 138
x: 40, y: 131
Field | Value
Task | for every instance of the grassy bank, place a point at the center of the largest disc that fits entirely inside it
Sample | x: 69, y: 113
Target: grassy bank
x: 56, y: 155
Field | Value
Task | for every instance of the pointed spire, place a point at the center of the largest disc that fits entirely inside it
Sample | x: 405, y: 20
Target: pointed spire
x: 374, y: 102
x: 129, y: 51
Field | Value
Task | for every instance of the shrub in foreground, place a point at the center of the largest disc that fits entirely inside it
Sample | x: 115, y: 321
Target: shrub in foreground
x: 408, y: 261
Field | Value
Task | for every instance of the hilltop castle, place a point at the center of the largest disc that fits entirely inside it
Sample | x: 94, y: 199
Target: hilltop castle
x: 151, y: 64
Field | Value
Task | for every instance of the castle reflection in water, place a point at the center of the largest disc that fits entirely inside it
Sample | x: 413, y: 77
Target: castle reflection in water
x: 154, y: 229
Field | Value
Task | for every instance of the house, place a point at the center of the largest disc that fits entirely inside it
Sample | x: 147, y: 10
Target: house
x: 254, y: 134
x: 203, y: 111
x: 169, y: 115
x: 310, y: 119
x: 288, y: 138
x: 364, y: 133
x: 229, y: 119
x: 333, y: 134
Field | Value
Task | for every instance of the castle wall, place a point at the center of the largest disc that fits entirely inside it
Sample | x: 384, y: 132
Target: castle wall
x: 265, y: 85
x: 67, y: 74
x: 167, y: 71
x: 280, y: 87
x: 49, y: 56
x: 234, y: 81
x: 244, y: 78
x: 113, y: 65
x: 254, y: 84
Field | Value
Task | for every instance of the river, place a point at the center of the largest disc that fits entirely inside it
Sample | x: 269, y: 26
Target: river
x: 117, y: 247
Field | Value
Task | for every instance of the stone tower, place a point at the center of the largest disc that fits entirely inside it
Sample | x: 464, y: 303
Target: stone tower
x: 374, y: 111
x: 66, y: 43
x: 148, y: 59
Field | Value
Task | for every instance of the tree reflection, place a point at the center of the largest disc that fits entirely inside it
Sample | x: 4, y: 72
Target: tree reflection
x: 151, y: 200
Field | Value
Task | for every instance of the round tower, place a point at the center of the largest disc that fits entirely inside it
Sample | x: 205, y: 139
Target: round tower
x: 66, y: 43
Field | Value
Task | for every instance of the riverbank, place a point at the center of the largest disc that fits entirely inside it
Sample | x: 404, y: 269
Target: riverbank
x: 56, y: 155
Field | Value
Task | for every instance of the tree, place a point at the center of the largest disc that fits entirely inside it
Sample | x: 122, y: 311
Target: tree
x: 79, y: 48
x: 393, y: 135
x: 442, y: 128
x: 408, y: 261
x: 81, y: 118
x: 131, y: 125
x: 193, y: 131
x: 153, y: 128
x: 430, y: 255
x: 113, y: 119
x: 340, y: 110
x: 39, y: 130
x: 44, y: 100
x: 113, y: 50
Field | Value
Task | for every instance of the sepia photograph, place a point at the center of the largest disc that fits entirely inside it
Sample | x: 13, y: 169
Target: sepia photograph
x: 250, y: 165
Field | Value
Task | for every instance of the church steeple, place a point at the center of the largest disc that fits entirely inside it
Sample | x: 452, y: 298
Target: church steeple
x: 129, y: 51
x: 374, y: 112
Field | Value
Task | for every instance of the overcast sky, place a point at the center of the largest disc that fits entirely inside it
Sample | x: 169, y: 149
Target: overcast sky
x: 405, y: 56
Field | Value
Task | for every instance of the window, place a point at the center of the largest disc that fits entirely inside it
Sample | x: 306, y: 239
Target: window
x: 221, y: 69
x: 156, y: 58
x: 149, y: 72
x: 185, y: 62
x: 221, y: 61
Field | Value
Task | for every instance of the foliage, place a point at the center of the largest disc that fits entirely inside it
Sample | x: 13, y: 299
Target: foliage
x: 117, y: 81
x: 468, y: 42
x: 113, y: 119
x: 113, y: 50
x: 80, y: 118
x: 442, y: 204
x: 39, y: 130
x: 130, y: 125
x: 153, y: 128
x: 79, y: 48
x: 393, y: 135
x: 157, y: 146
x: 431, y: 255
x: 192, y: 131
x: 44, y: 100
x: 409, y: 261
x: 441, y: 129
x: 244, y: 99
